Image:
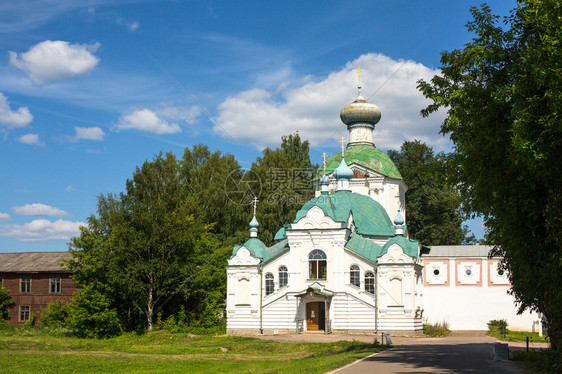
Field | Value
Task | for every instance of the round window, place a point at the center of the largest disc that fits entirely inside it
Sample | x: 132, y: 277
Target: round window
x: 468, y: 271
x: 436, y: 272
x: 501, y: 272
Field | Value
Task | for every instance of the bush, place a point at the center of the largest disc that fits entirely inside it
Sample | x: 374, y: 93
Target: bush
x: 436, y: 329
x: 91, y: 316
x: 498, y: 325
x: 6, y: 302
x: 55, y: 315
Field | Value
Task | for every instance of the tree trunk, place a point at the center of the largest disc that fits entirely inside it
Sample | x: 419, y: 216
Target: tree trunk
x: 149, y: 310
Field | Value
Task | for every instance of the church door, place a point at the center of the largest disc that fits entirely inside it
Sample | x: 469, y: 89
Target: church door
x: 312, y: 316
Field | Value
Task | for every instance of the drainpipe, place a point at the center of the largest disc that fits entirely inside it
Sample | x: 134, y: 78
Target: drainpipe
x: 325, y: 316
x: 261, y: 301
x: 376, y: 300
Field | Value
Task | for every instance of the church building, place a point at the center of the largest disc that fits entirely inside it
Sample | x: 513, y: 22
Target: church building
x: 346, y: 263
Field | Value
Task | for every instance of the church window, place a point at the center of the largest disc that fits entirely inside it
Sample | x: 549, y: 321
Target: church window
x: 436, y: 272
x: 370, y: 282
x: 501, y: 272
x: 354, y: 277
x: 317, y: 264
x: 468, y: 272
x: 269, y: 284
x: 283, y: 276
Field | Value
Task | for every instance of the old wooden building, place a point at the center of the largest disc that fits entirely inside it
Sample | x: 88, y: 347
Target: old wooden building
x: 34, y: 279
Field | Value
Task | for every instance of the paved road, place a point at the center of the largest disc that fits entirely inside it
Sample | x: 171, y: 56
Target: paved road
x: 465, y: 355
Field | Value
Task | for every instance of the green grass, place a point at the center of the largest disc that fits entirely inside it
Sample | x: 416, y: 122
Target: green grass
x: 162, y: 352
x: 518, y: 336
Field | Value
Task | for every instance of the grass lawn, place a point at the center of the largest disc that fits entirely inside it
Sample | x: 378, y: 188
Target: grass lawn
x: 161, y: 352
x: 518, y: 336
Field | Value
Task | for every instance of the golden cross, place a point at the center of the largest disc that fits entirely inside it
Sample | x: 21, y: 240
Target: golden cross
x: 359, y: 75
x: 255, y: 204
x: 324, y: 157
x: 342, y: 141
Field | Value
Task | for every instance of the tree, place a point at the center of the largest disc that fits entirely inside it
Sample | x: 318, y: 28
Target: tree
x: 503, y: 94
x: 432, y: 204
x: 91, y: 315
x: 143, y: 245
x: 286, y: 177
x: 6, y: 302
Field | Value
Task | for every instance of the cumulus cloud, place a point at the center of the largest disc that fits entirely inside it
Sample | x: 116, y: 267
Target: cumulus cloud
x: 312, y: 107
x: 146, y: 120
x: 52, y: 61
x: 5, y: 217
x: 42, y: 230
x: 13, y: 119
x: 31, y: 139
x: 37, y: 209
x: 88, y: 133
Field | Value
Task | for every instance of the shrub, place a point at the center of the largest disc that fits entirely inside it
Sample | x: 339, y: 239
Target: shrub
x: 6, y: 302
x: 436, y: 329
x: 55, y: 315
x: 91, y: 316
x: 498, y: 325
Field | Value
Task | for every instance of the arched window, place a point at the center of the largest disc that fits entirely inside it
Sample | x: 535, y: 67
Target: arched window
x: 283, y: 276
x: 317, y: 264
x: 370, y: 282
x: 269, y: 284
x: 354, y: 277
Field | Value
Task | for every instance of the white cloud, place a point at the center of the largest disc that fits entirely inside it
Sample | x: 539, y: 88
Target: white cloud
x: 180, y: 113
x: 146, y: 120
x: 42, y: 230
x: 13, y: 119
x: 69, y: 188
x: 261, y: 117
x: 37, y: 209
x: 5, y: 217
x: 133, y: 26
x: 51, y: 61
x: 88, y: 133
x: 31, y: 139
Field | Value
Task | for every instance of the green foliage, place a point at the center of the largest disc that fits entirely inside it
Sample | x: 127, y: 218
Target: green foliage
x: 55, y: 315
x: 503, y: 98
x: 91, y: 316
x: 540, y: 362
x: 286, y: 176
x: 432, y: 203
x: 6, y: 302
x: 498, y: 325
x: 436, y: 329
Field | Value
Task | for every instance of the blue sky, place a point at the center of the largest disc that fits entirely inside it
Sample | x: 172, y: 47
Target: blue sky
x: 91, y: 89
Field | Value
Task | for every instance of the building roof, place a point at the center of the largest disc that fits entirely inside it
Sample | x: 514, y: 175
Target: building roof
x: 459, y: 251
x: 371, y: 251
x: 369, y: 217
x: 33, y: 262
x: 365, y: 155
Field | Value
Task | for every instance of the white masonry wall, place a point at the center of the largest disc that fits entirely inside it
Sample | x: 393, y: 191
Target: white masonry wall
x: 469, y: 292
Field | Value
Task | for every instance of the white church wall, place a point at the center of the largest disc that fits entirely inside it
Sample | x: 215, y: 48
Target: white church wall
x: 281, y: 314
x: 350, y: 313
x: 470, y: 301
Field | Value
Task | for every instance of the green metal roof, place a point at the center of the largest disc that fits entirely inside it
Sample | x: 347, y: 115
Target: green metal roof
x: 369, y: 217
x: 275, y: 251
x: 280, y: 234
x: 365, y: 155
x: 371, y: 251
x: 259, y: 250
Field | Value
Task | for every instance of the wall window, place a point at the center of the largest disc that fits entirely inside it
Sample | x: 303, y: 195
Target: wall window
x: 370, y: 282
x: 54, y: 286
x: 25, y: 284
x: 354, y: 277
x: 283, y: 276
x: 317, y: 264
x: 24, y: 313
x: 269, y: 284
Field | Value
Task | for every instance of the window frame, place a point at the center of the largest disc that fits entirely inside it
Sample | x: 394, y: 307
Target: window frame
x: 355, y: 276
x: 317, y: 264
x: 269, y: 284
x: 283, y: 276
x: 55, y: 281
x: 369, y: 282
x: 24, y: 315
x: 25, y: 284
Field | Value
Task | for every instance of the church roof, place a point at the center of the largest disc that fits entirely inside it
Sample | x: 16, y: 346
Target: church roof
x: 259, y: 250
x: 371, y: 251
x: 365, y: 155
x: 275, y: 251
x: 254, y: 245
x: 369, y: 216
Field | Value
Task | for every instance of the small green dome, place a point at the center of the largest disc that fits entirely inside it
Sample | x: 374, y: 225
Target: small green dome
x: 366, y: 155
x: 343, y: 171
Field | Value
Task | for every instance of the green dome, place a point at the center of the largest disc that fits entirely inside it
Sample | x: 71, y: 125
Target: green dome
x: 367, y: 156
x: 369, y: 217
